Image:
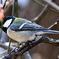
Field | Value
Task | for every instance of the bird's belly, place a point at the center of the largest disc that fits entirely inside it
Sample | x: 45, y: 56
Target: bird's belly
x: 22, y: 36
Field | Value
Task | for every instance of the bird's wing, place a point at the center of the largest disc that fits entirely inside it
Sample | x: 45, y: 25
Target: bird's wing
x: 25, y: 26
x: 28, y: 26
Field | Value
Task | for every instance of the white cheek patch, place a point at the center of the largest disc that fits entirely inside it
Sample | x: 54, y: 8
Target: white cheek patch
x: 7, y: 23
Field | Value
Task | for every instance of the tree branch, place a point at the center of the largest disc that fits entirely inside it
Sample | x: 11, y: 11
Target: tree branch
x: 20, y: 51
x: 27, y: 55
x: 40, y: 14
x: 39, y: 3
x: 3, y: 45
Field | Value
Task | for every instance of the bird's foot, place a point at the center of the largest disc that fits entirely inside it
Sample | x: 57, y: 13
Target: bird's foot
x: 21, y: 45
x: 29, y: 43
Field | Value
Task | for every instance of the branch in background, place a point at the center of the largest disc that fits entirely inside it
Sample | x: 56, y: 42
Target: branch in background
x: 13, y: 8
x: 52, y: 4
x: 53, y: 25
x: 4, y: 3
x: 40, y: 14
x: 27, y: 55
x: 3, y: 45
x: 52, y: 9
x: 4, y: 37
x: 16, y: 8
x: 38, y: 2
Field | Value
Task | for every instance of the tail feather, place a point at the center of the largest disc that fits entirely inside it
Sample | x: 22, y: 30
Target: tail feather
x: 47, y: 31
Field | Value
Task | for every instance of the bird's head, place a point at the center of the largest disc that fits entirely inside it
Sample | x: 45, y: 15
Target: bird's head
x: 6, y: 22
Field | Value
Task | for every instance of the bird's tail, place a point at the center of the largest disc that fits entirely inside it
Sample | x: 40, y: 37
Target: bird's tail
x: 47, y: 31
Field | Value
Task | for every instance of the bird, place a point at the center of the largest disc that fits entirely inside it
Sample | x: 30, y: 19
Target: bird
x: 23, y: 30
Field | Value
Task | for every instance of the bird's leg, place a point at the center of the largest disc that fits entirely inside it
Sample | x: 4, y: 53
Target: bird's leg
x: 21, y: 45
x: 29, y: 43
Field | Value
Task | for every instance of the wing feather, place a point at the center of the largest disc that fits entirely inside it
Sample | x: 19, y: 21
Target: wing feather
x: 28, y: 26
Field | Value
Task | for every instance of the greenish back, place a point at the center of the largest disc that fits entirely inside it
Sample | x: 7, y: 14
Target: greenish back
x: 18, y: 22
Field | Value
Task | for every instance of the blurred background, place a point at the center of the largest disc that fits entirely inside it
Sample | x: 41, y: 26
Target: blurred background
x: 29, y: 9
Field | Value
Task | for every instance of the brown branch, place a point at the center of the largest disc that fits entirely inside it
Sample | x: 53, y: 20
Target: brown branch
x: 43, y: 39
x: 51, y: 41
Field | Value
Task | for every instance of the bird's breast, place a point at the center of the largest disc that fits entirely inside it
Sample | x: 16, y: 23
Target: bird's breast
x: 20, y: 36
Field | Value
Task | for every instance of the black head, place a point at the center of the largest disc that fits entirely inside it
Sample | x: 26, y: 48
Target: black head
x: 7, y: 18
x: 7, y: 21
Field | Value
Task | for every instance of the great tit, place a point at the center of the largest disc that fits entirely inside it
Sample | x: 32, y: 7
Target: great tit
x: 23, y: 30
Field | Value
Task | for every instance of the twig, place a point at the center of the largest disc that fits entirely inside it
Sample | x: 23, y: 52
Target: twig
x: 13, y: 8
x: 39, y: 3
x: 6, y: 9
x: 53, y: 25
x: 4, y: 4
x: 27, y: 55
x: 40, y: 14
x: 3, y: 45
x: 17, y: 8
x: 52, y: 4
x: 54, y: 10
x: 51, y: 41
x: 9, y: 46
